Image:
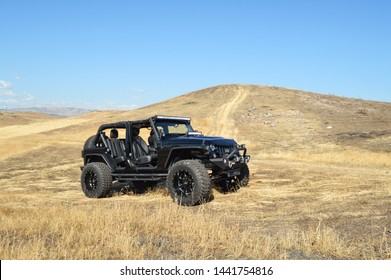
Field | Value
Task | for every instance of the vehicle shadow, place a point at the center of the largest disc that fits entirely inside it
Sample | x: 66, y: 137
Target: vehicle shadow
x: 135, y: 188
x: 141, y: 188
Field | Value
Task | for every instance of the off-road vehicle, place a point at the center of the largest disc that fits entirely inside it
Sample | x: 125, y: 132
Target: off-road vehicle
x: 189, y: 162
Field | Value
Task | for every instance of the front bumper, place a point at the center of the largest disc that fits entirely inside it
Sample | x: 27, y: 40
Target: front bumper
x: 227, y: 161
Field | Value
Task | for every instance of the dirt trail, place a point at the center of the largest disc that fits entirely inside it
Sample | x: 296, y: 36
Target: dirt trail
x: 225, y: 124
x: 24, y: 130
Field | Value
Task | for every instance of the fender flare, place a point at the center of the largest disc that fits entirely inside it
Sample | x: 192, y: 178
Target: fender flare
x: 101, y: 158
x: 175, y: 152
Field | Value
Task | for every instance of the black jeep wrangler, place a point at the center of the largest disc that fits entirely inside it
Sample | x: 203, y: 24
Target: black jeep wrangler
x: 190, y: 162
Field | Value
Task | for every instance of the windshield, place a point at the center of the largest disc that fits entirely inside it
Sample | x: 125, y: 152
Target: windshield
x: 174, y: 128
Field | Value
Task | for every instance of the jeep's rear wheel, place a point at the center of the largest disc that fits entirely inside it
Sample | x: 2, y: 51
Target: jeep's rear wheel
x: 188, y: 182
x: 96, y: 180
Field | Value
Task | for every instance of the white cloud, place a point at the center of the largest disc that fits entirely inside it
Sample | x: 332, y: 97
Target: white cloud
x: 138, y: 90
x: 9, y: 101
x: 17, y: 76
x: 29, y: 97
x: 15, y: 99
x: 5, y: 84
x: 7, y: 92
x: 9, y: 97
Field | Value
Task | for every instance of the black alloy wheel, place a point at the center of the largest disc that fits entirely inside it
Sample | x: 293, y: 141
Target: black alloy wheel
x: 96, y: 180
x: 91, y: 181
x: 188, y: 182
x: 183, y: 183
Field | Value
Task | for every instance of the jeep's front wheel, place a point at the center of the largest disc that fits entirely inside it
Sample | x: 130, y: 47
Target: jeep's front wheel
x: 96, y: 180
x: 188, y: 182
x: 233, y: 184
x: 244, y: 177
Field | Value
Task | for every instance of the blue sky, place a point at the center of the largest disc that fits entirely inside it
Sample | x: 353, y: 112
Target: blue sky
x: 126, y: 54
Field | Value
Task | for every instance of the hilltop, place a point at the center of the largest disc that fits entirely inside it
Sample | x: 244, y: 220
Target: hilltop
x: 267, y: 117
x: 320, y: 183
x: 276, y: 118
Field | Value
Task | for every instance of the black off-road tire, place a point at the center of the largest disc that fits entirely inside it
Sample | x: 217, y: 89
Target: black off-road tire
x: 90, y: 142
x: 233, y: 184
x: 96, y: 180
x: 188, y: 182
x: 244, y: 177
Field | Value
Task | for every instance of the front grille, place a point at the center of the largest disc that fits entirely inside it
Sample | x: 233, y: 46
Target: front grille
x: 222, y: 150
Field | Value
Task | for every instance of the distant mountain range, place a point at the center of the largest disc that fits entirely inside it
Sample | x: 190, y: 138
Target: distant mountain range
x: 62, y: 112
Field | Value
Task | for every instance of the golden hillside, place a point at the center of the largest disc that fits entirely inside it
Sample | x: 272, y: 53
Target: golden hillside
x: 10, y: 118
x: 320, y: 185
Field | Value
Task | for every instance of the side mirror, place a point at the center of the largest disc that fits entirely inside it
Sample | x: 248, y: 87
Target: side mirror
x: 161, y: 133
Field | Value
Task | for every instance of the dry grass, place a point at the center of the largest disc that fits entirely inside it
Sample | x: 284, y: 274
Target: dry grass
x: 336, y: 155
x: 117, y: 229
x: 10, y: 118
x: 311, y: 196
x: 39, y: 127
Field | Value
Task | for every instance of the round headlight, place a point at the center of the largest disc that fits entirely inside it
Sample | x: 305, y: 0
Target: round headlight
x: 212, y: 148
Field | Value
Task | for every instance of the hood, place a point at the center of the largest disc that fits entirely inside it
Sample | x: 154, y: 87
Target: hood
x: 198, y: 140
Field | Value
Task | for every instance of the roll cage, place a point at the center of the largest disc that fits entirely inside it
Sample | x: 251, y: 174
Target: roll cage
x: 152, y: 123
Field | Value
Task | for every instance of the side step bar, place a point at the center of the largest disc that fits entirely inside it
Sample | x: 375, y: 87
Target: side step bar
x: 140, y: 177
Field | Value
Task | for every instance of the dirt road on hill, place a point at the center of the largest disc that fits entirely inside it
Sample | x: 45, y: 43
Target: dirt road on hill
x: 225, y: 124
